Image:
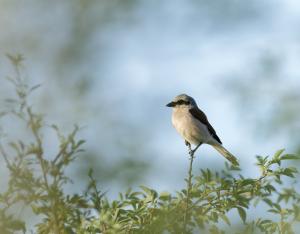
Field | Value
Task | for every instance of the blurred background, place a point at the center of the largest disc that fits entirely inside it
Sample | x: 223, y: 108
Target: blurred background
x: 112, y: 65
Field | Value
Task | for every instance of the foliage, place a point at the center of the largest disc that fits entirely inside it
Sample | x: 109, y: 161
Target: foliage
x: 37, y: 181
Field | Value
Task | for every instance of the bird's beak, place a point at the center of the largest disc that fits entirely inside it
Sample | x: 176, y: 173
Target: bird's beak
x: 171, y: 104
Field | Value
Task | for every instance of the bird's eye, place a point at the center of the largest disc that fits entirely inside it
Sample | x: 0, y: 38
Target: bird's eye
x: 183, y: 102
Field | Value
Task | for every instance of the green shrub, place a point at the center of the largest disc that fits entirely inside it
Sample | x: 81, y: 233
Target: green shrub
x: 37, y: 182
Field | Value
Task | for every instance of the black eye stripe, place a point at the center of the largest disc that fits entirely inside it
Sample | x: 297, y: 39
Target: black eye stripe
x: 182, y: 102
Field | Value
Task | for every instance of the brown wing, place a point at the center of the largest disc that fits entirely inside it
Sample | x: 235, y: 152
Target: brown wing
x: 198, y: 114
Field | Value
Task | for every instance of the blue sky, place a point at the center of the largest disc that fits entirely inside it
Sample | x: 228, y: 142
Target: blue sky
x: 139, y: 57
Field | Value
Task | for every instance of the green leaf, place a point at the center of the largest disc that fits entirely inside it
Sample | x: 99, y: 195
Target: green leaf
x: 225, y: 218
x: 247, y: 182
x: 278, y: 153
x: 277, y: 206
x: 34, y: 87
x: 165, y: 196
x: 146, y: 189
x: 242, y: 213
x: 268, y: 201
x: 214, y: 216
x: 289, y: 171
x: 270, y: 188
x: 266, y: 221
x: 18, y: 225
x: 261, y: 160
x: 274, y: 211
x: 290, y: 157
x: 79, y: 143
x: 15, y: 59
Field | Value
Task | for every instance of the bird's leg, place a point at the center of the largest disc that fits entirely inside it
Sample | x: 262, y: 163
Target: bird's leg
x: 194, y: 150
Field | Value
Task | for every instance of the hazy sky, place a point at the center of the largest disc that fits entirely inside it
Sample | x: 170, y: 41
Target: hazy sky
x: 131, y: 59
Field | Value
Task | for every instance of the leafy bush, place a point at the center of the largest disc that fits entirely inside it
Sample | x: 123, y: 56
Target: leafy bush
x: 37, y: 182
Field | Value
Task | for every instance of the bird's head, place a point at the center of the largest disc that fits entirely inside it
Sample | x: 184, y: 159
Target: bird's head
x: 182, y: 101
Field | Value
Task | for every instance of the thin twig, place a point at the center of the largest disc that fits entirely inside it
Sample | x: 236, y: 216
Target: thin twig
x: 2, y: 151
x: 39, y: 156
x: 189, y: 186
x: 62, y: 150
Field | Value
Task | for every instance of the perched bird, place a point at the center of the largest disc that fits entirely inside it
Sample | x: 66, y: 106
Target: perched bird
x: 193, y: 126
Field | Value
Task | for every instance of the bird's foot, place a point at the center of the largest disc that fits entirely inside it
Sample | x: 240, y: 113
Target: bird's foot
x: 187, y: 143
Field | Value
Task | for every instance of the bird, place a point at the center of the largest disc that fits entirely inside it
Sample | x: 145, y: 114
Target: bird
x: 193, y: 126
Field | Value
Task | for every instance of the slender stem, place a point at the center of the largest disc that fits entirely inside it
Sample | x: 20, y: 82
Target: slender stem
x: 39, y: 155
x: 2, y: 151
x: 281, y: 228
x: 189, y: 186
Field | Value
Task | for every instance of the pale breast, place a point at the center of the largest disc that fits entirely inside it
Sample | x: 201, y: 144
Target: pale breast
x: 189, y: 128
